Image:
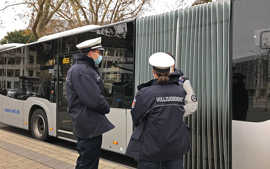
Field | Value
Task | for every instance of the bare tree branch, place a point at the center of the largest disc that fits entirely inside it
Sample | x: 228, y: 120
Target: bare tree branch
x: 84, y: 12
x: 114, y: 11
x: 106, y: 10
x: 54, y: 10
x: 64, y: 16
x: 36, y: 21
x: 97, y: 11
x: 79, y: 12
x: 76, y: 8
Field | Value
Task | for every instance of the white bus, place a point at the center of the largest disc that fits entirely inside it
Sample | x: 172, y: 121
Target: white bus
x: 223, y: 47
x: 32, y: 82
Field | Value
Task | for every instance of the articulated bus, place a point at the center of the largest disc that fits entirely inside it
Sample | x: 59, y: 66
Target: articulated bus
x: 33, y: 77
x: 223, y: 47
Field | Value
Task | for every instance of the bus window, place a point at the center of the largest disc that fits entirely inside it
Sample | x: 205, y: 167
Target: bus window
x: 32, y: 72
x: 250, y: 62
x: 117, y: 74
x: 42, y: 57
x: 251, y: 89
x: 116, y: 68
x: 65, y: 122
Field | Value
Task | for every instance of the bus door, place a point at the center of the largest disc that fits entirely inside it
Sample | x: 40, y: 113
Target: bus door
x: 64, y: 119
x: 117, y: 71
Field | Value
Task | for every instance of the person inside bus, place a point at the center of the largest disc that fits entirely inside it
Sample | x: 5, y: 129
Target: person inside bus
x: 87, y: 104
x: 160, y: 137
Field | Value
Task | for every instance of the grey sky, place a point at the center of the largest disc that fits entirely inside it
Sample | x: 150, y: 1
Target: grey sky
x: 12, y: 18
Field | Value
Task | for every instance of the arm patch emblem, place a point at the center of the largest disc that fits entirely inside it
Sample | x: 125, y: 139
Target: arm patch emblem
x: 194, y: 98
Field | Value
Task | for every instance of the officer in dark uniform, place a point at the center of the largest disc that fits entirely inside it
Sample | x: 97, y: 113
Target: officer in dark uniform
x: 160, y: 137
x: 87, y: 104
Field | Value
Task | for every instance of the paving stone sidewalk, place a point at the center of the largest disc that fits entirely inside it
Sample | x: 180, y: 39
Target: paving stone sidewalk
x: 21, y: 152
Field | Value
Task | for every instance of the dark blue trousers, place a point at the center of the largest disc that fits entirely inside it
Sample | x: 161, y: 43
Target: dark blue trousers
x: 89, y: 152
x: 173, y: 164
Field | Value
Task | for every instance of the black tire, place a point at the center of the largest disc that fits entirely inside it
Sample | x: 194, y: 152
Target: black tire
x: 39, y: 125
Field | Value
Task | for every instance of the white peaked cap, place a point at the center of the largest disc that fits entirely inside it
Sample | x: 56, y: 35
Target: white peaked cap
x: 161, y: 60
x: 89, y: 43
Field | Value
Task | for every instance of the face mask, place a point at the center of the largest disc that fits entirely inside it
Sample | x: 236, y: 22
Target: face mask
x: 98, y: 60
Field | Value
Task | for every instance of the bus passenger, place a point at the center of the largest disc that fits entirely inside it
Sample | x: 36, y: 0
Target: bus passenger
x: 160, y: 137
x: 87, y: 104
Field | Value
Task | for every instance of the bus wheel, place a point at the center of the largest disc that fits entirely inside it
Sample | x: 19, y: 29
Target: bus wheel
x: 39, y: 124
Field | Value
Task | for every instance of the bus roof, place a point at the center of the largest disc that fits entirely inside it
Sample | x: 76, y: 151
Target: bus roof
x: 10, y: 46
x: 70, y: 32
x: 75, y: 31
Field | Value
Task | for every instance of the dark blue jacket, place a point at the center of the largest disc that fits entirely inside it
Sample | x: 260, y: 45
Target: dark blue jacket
x: 175, y: 76
x: 159, y: 131
x: 86, y: 102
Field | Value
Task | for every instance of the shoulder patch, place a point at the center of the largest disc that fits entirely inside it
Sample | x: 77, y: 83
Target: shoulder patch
x: 182, y: 79
x: 194, y: 98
